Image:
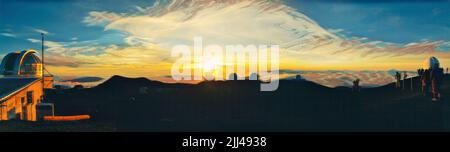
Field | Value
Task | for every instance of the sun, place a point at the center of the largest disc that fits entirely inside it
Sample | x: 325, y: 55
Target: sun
x: 210, y: 65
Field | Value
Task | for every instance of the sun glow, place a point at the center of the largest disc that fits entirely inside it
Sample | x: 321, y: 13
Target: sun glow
x: 210, y: 65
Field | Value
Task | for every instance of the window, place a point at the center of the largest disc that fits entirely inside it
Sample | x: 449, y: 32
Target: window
x: 30, y: 97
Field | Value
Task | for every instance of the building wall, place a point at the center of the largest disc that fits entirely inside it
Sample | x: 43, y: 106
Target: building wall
x: 22, y: 105
x: 48, y: 82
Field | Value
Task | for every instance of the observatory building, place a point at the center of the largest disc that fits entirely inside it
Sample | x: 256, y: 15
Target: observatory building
x: 431, y: 63
x: 431, y: 76
x: 22, y: 84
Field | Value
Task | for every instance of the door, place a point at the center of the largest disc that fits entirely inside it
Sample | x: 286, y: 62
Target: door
x: 12, y: 114
x: 24, y: 109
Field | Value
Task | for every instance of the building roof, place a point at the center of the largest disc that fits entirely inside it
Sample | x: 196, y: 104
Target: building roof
x: 10, y: 85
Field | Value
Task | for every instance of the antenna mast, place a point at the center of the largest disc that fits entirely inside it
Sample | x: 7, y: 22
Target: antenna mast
x: 42, y: 60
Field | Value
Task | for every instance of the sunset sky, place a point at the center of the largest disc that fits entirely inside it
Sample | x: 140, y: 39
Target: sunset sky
x: 134, y: 38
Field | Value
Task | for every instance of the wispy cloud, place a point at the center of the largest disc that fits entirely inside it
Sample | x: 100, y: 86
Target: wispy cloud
x: 41, y: 31
x: 8, y: 35
x: 58, y: 60
x: 100, y: 18
x: 34, y: 40
x: 260, y: 22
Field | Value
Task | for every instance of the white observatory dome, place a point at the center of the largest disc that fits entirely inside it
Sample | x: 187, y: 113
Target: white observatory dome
x: 431, y: 63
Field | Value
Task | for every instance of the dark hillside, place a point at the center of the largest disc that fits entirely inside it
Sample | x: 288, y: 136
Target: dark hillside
x: 139, y: 104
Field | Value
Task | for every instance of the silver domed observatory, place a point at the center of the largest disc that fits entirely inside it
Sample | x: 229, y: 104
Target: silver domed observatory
x: 21, y: 64
x: 23, y: 85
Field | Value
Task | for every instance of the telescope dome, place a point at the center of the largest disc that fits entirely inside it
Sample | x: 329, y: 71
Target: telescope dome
x: 431, y: 63
x: 24, y: 63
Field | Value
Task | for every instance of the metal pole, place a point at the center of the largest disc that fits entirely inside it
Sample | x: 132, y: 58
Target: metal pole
x: 43, y: 77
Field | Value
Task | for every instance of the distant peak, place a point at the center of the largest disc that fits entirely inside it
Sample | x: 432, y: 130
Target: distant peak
x: 118, y: 77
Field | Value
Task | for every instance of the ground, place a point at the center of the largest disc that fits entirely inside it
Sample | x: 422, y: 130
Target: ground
x: 41, y: 126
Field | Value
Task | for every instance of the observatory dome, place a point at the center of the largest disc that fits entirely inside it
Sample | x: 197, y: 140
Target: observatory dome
x: 24, y: 63
x: 431, y: 63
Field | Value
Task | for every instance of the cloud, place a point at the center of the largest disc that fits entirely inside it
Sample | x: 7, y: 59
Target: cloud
x: 71, y: 81
x: 436, y: 11
x: 62, y: 54
x: 8, y: 35
x: 75, y: 58
x: 152, y: 31
x: 179, y: 21
x: 335, y: 30
x: 100, y: 18
x: 70, y: 48
x: 42, y: 31
x: 34, y: 40
x: 58, y: 60
x: 259, y: 22
x: 290, y: 72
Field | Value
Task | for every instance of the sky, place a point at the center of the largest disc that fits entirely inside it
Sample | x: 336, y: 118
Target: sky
x: 134, y: 38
